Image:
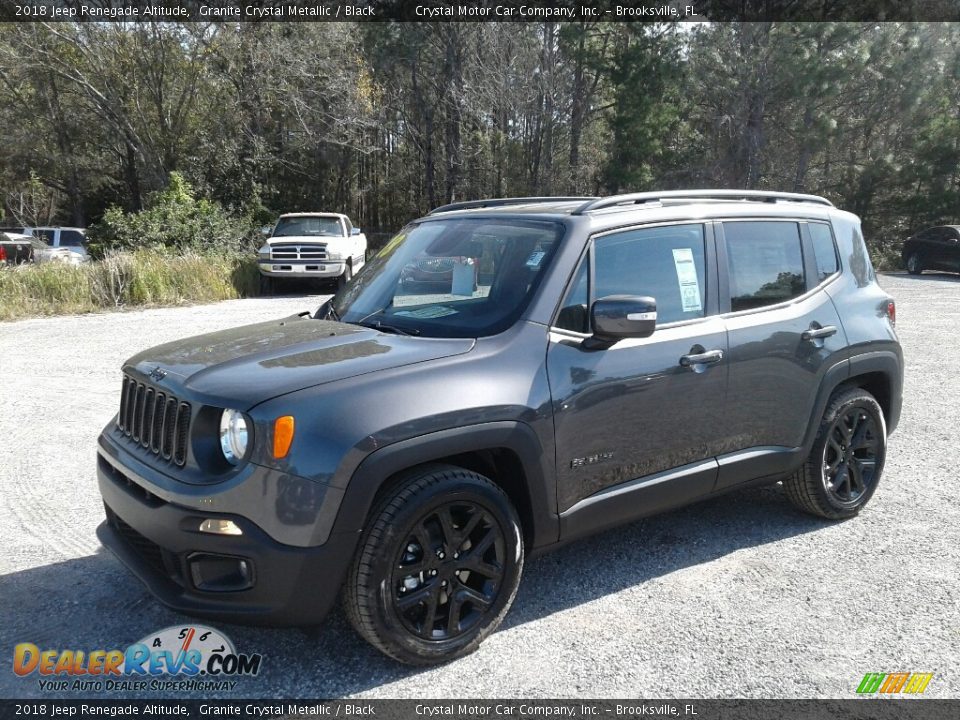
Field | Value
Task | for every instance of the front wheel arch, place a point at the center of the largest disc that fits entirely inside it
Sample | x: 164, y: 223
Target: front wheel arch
x: 473, y: 447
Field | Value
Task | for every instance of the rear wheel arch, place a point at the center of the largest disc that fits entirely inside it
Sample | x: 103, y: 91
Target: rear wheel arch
x: 879, y: 384
x: 877, y: 372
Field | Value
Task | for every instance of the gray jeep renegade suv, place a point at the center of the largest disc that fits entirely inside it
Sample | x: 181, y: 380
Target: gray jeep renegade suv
x: 585, y: 362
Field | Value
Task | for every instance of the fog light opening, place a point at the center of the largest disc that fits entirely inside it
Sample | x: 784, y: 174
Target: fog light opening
x: 220, y: 527
x: 220, y: 573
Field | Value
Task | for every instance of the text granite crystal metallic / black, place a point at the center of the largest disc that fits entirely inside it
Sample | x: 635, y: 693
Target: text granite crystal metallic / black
x: 581, y: 363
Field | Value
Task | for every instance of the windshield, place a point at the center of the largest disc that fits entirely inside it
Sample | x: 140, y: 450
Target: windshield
x: 451, y: 278
x: 300, y: 226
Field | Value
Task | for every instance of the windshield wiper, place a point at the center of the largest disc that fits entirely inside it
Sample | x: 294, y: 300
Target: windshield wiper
x: 385, y: 327
x: 326, y: 311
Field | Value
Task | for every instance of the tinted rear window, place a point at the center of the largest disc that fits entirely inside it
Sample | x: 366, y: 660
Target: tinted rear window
x: 766, y: 263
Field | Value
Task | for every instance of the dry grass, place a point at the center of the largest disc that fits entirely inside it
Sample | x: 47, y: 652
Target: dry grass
x: 143, y: 277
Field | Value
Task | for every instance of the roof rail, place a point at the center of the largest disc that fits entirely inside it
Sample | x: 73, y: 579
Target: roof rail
x: 652, y: 197
x: 496, y: 202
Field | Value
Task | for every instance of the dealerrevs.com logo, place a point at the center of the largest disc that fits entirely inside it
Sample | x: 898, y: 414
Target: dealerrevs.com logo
x: 201, y: 658
x: 891, y: 683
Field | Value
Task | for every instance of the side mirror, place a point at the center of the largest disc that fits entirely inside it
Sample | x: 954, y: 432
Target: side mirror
x: 616, y: 317
x: 267, y: 230
x: 355, y: 231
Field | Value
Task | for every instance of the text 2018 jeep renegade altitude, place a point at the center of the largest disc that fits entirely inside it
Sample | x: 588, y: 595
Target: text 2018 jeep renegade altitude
x: 589, y: 362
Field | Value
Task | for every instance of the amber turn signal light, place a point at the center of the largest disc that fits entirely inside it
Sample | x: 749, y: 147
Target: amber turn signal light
x: 282, y: 436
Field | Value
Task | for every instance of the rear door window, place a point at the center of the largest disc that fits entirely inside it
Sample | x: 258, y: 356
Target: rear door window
x: 765, y: 263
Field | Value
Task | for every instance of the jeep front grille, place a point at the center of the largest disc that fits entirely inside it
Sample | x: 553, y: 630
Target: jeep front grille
x: 298, y: 252
x: 155, y: 420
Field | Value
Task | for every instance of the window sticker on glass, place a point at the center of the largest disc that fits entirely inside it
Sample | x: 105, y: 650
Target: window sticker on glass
x: 463, y: 278
x: 536, y: 257
x: 427, y: 313
x: 687, y: 279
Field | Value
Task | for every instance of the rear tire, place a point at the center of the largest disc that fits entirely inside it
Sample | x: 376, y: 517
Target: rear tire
x: 266, y: 285
x: 914, y: 263
x: 438, y: 567
x: 844, y: 466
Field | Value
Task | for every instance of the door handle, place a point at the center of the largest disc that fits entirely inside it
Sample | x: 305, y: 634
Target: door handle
x: 711, y: 356
x: 818, y: 333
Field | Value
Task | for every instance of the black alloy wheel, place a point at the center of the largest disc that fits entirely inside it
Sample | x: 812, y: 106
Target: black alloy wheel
x: 438, y: 566
x: 850, y: 456
x: 843, y: 468
x: 449, y: 571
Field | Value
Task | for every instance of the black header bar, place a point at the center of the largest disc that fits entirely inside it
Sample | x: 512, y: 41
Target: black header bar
x: 479, y: 11
x: 506, y: 709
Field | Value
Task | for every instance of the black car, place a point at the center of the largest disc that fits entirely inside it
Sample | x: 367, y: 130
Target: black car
x: 936, y: 248
x: 622, y: 356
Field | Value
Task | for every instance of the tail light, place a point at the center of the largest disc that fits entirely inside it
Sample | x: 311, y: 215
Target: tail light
x: 892, y: 312
x: 3, y: 253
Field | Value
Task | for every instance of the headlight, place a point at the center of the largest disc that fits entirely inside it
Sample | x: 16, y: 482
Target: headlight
x: 233, y: 435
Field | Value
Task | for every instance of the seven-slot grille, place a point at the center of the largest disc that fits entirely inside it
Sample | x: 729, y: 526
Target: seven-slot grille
x: 156, y: 420
x: 298, y: 252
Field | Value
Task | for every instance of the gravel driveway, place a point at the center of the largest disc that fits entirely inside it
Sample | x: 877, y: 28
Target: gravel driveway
x: 740, y: 596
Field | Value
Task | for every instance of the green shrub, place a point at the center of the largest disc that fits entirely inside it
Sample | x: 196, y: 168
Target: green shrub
x: 174, y: 219
x: 142, y: 277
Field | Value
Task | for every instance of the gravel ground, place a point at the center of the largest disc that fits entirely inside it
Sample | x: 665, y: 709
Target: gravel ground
x: 740, y: 596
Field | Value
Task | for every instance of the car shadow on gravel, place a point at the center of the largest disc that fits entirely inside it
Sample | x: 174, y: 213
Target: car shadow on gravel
x: 94, y: 603
x: 630, y: 555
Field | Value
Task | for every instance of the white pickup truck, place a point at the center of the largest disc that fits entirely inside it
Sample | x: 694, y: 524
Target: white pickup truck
x: 311, y: 245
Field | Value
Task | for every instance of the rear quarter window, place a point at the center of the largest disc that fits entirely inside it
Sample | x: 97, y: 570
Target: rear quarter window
x: 824, y: 250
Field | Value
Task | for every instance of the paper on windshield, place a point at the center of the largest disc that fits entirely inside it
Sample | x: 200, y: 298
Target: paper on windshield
x: 463, y: 276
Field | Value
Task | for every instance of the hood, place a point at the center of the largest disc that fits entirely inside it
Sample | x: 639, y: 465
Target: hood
x: 302, y: 239
x: 253, y: 363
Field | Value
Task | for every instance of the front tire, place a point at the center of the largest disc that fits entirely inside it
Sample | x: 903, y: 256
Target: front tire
x: 843, y: 469
x: 345, y: 277
x: 266, y: 285
x: 914, y: 263
x: 438, y: 567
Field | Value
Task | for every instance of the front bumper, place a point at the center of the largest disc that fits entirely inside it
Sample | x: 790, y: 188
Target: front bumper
x: 160, y: 543
x: 300, y: 268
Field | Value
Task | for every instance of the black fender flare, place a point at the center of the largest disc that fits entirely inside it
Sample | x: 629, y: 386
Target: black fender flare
x: 380, y: 465
x: 886, y: 362
x: 889, y: 363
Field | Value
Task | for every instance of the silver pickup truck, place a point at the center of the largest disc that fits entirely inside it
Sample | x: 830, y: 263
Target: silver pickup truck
x: 311, y: 245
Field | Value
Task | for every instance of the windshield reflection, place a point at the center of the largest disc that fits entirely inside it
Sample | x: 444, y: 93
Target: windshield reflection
x: 463, y: 277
